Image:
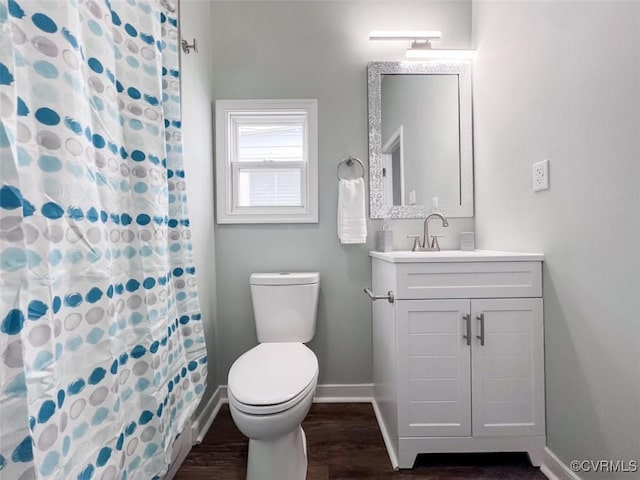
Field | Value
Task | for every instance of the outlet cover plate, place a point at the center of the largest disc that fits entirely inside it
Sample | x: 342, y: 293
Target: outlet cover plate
x: 541, y: 176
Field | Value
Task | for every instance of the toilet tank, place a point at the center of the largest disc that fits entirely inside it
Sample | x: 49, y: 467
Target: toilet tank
x: 285, y: 305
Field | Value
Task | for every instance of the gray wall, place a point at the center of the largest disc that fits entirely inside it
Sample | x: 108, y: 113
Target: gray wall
x: 197, y: 140
x: 273, y: 49
x: 561, y: 80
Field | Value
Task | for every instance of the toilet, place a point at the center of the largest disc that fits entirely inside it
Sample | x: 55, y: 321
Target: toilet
x: 271, y: 387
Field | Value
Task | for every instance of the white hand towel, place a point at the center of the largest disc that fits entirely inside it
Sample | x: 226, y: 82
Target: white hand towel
x: 352, y: 222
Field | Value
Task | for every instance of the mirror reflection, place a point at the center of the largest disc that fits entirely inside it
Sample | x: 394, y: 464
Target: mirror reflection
x: 420, y: 140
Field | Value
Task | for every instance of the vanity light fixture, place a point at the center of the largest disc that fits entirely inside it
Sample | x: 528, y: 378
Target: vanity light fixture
x: 420, y: 50
x: 421, y: 46
x: 413, y: 35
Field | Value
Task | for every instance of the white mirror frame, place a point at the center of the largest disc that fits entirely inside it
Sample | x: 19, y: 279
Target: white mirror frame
x: 377, y: 208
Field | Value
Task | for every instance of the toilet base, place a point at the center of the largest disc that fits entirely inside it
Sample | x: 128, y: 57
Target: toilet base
x: 283, y: 458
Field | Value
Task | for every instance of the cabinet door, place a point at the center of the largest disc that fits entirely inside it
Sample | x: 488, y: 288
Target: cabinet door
x: 508, y: 370
x: 434, y: 388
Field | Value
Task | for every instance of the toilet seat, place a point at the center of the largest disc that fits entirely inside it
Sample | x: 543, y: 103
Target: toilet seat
x: 272, y: 377
x: 271, y: 409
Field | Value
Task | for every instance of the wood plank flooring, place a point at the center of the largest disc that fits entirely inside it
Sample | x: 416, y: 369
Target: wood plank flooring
x: 344, y: 442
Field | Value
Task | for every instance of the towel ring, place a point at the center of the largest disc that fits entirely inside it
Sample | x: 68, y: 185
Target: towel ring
x: 349, y: 161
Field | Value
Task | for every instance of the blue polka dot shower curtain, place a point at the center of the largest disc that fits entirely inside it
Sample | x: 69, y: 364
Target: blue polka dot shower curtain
x: 102, y: 355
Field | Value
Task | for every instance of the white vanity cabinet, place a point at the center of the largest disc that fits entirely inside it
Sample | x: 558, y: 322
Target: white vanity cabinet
x: 458, y: 357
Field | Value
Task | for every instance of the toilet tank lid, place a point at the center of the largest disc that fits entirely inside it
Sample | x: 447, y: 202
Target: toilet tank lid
x: 284, y: 278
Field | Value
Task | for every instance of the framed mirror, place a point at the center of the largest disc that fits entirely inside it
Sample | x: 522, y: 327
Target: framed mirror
x: 420, y: 139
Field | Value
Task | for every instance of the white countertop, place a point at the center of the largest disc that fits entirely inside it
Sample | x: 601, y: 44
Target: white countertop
x: 407, y: 256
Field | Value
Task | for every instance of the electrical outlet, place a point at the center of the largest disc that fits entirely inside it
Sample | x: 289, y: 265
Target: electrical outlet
x: 541, y: 176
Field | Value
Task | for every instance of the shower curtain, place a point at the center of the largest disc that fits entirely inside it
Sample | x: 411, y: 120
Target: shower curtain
x: 102, y: 355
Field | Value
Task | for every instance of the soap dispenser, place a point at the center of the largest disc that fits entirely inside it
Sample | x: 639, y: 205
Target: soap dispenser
x: 384, y: 238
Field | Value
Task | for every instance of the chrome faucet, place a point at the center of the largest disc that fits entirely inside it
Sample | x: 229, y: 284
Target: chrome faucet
x: 424, y: 245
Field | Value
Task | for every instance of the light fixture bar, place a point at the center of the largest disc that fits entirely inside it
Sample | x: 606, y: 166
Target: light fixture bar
x: 440, y: 53
x: 405, y: 35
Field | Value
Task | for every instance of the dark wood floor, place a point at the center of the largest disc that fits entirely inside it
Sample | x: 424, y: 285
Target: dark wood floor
x: 344, y: 442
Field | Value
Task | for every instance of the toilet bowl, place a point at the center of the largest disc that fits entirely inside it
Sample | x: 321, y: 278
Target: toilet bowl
x: 270, y: 390
x: 271, y: 387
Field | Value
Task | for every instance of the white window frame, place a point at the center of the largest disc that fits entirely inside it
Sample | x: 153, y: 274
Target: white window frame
x: 230, y: 114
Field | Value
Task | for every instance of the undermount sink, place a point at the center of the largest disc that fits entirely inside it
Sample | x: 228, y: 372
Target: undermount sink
x: 407, y: 256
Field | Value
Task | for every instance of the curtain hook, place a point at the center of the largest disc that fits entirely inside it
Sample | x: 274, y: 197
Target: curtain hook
x: 186, y: 47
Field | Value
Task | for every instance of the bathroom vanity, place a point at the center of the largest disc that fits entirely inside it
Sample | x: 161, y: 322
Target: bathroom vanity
x: 458, y: 353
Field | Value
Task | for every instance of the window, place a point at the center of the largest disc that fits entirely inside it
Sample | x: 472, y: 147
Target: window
x: 267, y: 161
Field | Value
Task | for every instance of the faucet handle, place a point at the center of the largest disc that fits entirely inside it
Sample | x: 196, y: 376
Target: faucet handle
x: 434, y: 242
x: 416, y: 242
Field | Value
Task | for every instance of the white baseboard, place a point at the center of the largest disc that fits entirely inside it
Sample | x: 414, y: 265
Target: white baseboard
x: 344, y: 393
x: 206, y: 416
x: 224, y: 398
x: 385, y: 436
x: 554, y: 469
